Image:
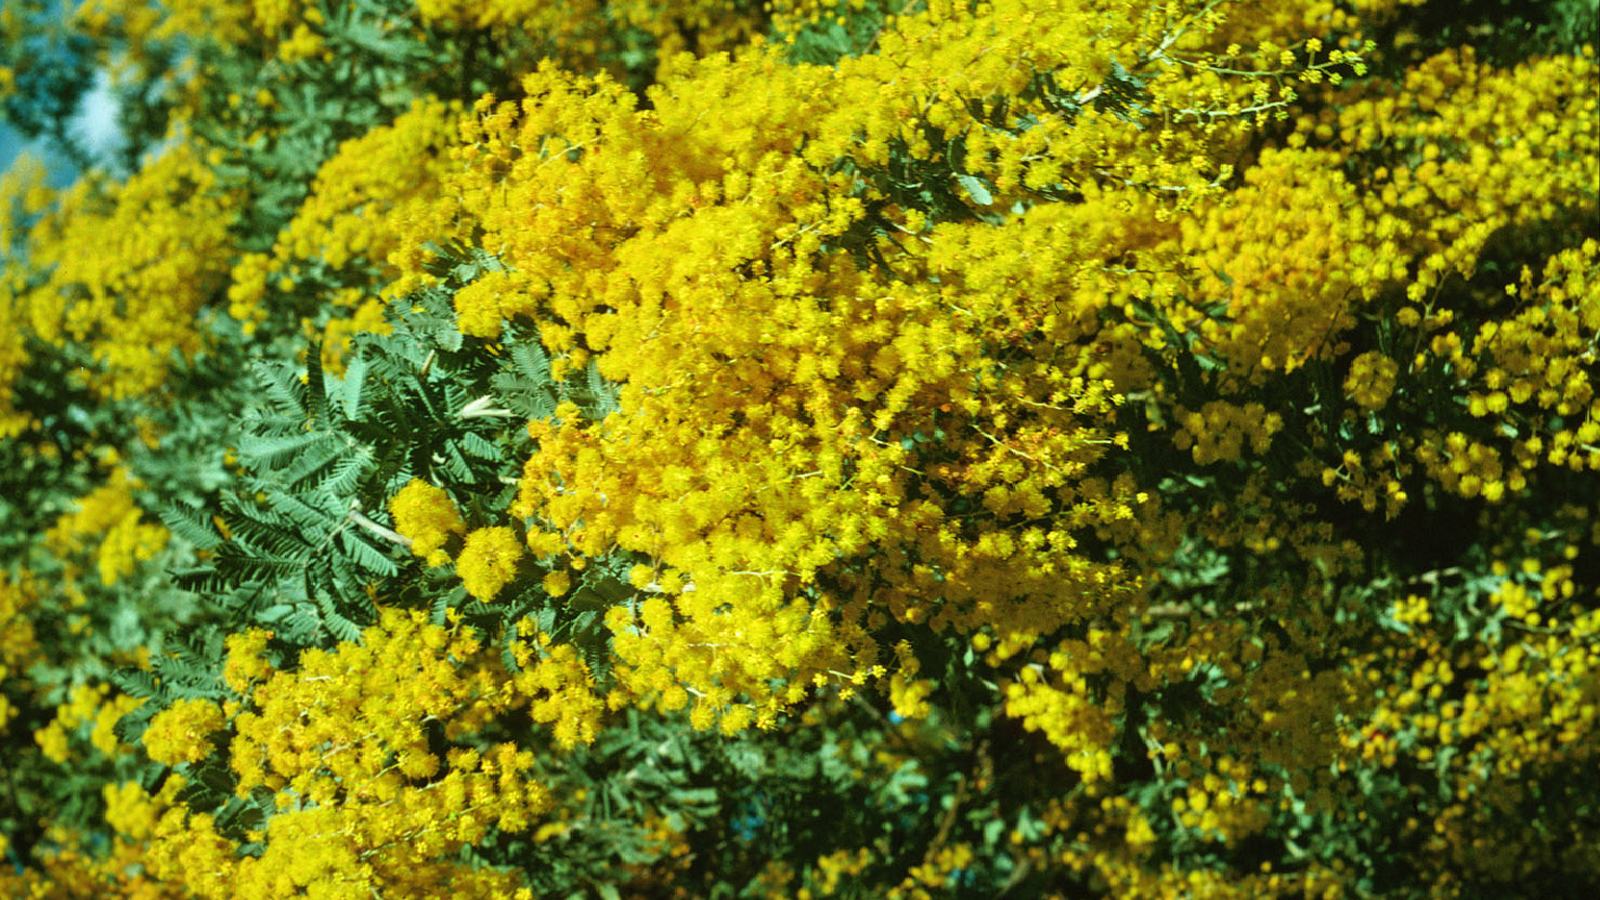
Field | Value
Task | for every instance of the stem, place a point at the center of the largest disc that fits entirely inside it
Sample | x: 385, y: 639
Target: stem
x: 379, y: 530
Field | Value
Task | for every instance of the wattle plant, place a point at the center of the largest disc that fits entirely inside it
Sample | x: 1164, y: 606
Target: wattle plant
x: 801, y: 448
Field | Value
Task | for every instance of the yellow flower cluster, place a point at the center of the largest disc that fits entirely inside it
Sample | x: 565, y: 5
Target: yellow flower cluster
x: 91, y: 712
x: 758, y: 461
x: 488, y: 561
x: 246, y: 663
x: 132, y: 812
x: 1220, y: 431
x: 1223, y: 807
x: 949, y: 423
x: 346, y: 230
x: 388, y: 174
x: 23, y: 195
x: 373, y: 754
x: 1263, y: 20
x: 68, y: 868
x: 562, y: 691
x: 1371, y: 380
x: 108, y: 522
x: 1288, y: 252
x: 1494, y: 715
x: 161, y: 247
x: 141, y: 23
x: 908, y: 694
x: 1301, y: 251
x: 13, y: 357
x: 1538, y: 363
x: 179, y: 733
x: 1470, y: 174
x: 1083, y: 728
x: 18, y: 641
x: 582, y: 33
x: 292, y: 27
x: 426, y: 516
x: 1525, y: 375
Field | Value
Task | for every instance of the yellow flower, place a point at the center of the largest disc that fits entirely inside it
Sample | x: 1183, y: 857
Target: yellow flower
x: 557, y: 583
x: 180, y: 733
x: 1371, y: 380
x: 245, y: 663
x: 488, y: 561
x: 425, y: 514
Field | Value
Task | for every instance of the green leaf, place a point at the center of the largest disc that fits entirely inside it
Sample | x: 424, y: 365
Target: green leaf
x: 189, y: 524
x: 976, y: 189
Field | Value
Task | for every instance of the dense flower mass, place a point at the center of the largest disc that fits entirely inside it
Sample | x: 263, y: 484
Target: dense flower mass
x: 488, y: 561
x: 178, y: 733
x: 425, y: 516
x: 160, y: 249
x: 1086, y: 447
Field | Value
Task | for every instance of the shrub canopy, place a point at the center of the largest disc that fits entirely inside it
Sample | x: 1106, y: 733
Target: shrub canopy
x: 798, y: 448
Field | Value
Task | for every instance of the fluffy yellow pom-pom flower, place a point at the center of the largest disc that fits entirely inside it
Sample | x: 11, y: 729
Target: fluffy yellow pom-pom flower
x: 178, y: 734
x: 426, y: 515
x: 488, y: 562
